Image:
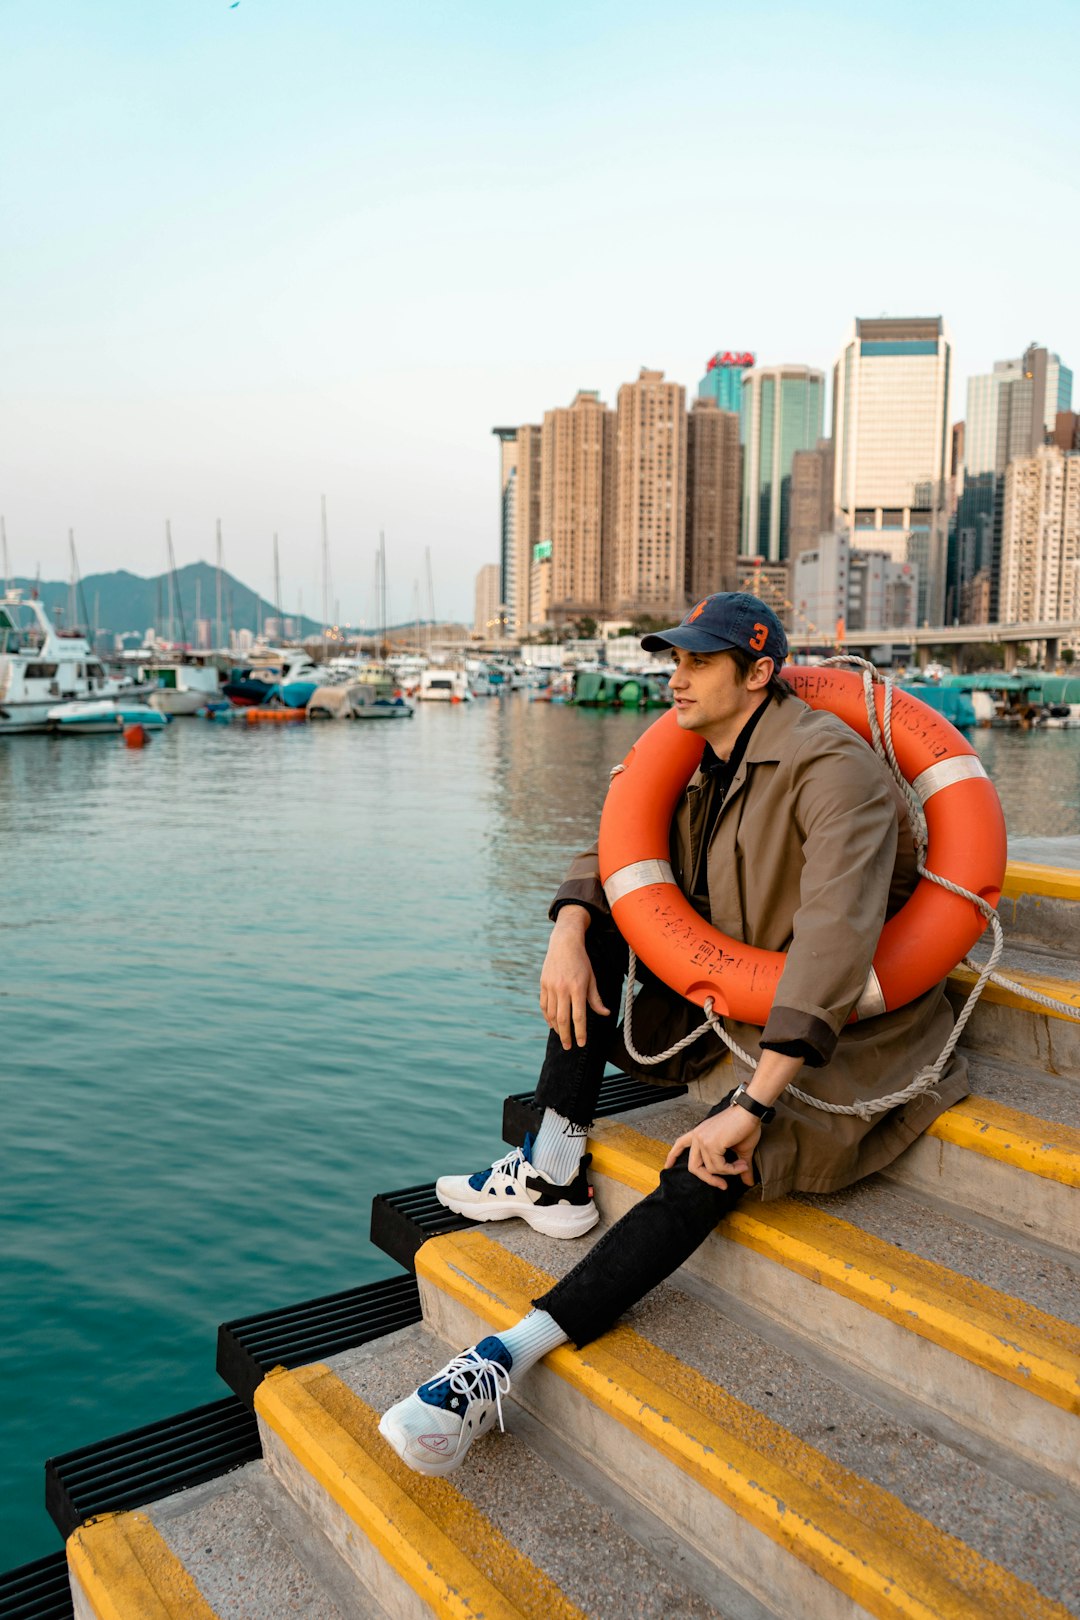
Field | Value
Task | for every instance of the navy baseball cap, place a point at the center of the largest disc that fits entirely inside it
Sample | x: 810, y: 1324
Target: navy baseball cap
x: 724, y: 620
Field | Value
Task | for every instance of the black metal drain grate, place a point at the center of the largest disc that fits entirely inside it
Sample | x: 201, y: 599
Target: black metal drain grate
x: 295, y: 1335
x: 148, y: 1463
x: 37, y: 1591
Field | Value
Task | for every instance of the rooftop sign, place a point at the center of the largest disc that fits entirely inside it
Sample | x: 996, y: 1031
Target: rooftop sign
x: 730, y: 357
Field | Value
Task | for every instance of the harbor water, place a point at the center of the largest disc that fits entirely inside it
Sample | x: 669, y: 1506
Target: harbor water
x: 253, y: 976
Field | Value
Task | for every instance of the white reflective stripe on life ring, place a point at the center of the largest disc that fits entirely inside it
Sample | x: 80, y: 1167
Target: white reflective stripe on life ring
x: 638, y: 875
x: 872, y: 1000
x: 945, y: 773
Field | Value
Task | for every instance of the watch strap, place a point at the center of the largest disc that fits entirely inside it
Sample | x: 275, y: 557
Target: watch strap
x: 762, y: 1112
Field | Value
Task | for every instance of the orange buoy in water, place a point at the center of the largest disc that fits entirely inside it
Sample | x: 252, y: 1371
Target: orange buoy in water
x: 135, y: 735
x: 256, y: 717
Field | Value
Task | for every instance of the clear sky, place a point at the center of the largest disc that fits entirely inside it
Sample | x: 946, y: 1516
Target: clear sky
x: 257, y: 253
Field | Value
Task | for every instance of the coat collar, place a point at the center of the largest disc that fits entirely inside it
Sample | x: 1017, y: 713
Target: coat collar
x: 768, y: 741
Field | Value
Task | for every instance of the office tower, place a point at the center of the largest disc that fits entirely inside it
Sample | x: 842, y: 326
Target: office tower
x: 891, y: 433
x: 782, y: 412
x: 524, y: 611
x: 577, y: 506
x: 650, y: 522
x: 723, y: 377
x: 488, y: 621
x: 508, y: 467
x: 1040, y: 537
x: 1011, y: 411
x: 713, y: 498
x: 811, y: 497
x: 1067, y: 430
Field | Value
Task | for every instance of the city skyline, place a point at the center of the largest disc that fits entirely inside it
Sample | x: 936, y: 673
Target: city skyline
x: 259, y: 255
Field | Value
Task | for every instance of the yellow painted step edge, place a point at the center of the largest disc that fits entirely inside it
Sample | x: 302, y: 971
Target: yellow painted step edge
x: 981, y: 1126
x: 1027, y: 877
x: 1005, y: 1336
x: 858, y: 1537
x: 435, y: 1539
x: 128, y: 1572
x: 1066, y: 990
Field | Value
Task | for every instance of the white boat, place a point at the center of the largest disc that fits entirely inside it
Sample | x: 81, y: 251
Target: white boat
x: 90, y: 716
x: 441, y: 685
x: 42, y: 667
x: 183, y: 686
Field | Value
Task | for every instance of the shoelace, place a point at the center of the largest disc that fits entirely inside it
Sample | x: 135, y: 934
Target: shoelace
x: 508, y: 1165
x: 465, y: 1376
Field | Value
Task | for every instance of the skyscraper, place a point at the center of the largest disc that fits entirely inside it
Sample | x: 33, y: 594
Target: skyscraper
x: 723, y: 377
x: 713, y: 498
x: 650, y: 524
x: 508, y: 457
x: 487, y: 620
x: 1010, y: 412
x: 811, y: 498
x: 782, y: 412
x: 891, y: 437
x: 1040, y: 537
x: 527, y: 614
x: 577, y: 505
x: 714, y: 475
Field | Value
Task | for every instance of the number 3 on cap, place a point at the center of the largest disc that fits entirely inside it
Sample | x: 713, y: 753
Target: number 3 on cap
x: 759, y: 637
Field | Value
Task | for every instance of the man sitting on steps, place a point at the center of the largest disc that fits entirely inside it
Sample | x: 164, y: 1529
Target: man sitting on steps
x: 793, y: 837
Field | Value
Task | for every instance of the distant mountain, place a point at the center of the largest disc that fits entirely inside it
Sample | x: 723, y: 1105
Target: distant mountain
x: 123, y: 602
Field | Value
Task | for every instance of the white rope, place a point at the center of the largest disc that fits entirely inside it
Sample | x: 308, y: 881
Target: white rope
x: 927, y: 1078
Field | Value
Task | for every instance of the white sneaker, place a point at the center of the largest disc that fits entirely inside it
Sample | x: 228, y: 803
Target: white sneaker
x: 433, y: 1428
x: 513, y: 1186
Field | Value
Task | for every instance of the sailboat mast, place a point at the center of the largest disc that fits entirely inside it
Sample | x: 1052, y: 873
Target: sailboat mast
x: 220, y: 643
x: 7, y: 569
x: 325, y: 578
x: 277, y: 593
x: 169, y: 571
x: 73, y: 613
x: 76, y: 586
x: 430, y: 596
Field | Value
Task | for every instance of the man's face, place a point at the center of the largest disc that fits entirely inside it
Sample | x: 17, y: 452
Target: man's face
x: 709, y: 696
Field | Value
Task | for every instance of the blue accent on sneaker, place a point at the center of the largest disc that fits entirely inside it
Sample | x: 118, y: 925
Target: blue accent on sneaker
x: 479, y: 1180
x: 438, y: 1392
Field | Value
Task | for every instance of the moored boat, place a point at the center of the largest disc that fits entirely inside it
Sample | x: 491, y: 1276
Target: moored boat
x: 86, y: 717
x: 42, y: 667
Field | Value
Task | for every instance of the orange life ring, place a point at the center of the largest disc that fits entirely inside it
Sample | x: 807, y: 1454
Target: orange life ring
x: 918, y: 946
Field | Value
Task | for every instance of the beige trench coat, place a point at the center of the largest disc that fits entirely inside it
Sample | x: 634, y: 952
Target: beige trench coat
x: 809, y: 854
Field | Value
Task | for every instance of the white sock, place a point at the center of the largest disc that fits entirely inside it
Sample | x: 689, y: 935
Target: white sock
x: 558, y: 1147
x: 532, y: 1338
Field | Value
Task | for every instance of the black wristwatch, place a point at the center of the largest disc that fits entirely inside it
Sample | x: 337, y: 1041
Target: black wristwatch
x: 761, y: 1111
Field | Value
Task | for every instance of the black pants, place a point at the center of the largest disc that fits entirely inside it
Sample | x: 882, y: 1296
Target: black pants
x: 654, y: 1238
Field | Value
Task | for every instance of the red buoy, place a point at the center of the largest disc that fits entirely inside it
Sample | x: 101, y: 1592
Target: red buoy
x: 135, y: 735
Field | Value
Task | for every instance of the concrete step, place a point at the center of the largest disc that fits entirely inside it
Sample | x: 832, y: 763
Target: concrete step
x: 813, y: 1500
x: 1041, y: 904
x: 517, y: 1535
x: 238, y: 1546
x: 998, y: 1359
x: 1009, y: 1024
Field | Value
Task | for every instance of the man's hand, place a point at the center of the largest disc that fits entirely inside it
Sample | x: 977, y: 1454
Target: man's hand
x: 567, y: 981
x: 709, y: 1141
